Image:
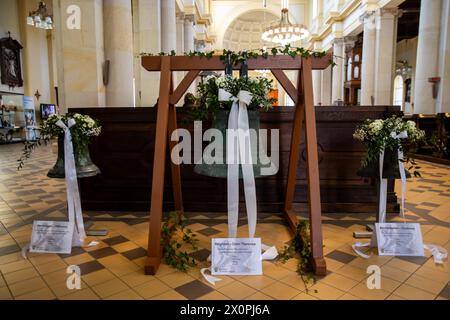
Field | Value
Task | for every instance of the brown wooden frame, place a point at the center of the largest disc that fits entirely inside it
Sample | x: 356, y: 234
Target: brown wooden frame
x: 302, y: 96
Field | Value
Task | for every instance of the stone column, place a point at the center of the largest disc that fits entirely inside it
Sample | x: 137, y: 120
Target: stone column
x: 149, y: 33
x: 79, y: 53
x: 337, y: 82
x: 317, y: 86
x: 118, y: 27
x: 427, y: 56
x: 368, y: 59
x: 189, y: 39
x: 168, y: 26
x: 386, y: 41
x: 443, y: 102
x: 326, y: 86
x: 180, y: 33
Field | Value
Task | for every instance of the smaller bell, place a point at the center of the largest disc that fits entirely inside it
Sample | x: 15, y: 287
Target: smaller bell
x: 84, y: 165
x: 391, y: 169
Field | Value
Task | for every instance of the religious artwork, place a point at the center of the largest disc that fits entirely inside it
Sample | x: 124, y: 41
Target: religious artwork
x: 11, y: 72
x: 408, y: 90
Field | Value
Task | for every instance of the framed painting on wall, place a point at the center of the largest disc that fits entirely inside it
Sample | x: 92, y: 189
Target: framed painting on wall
x: 10, y: 66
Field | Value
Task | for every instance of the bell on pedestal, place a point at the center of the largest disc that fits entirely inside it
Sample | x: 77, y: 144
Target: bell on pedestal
x: 84, y: 165
x: 390, y: 167
x: 220, y: 170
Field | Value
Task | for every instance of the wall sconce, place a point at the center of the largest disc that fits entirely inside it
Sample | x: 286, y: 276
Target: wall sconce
x: 435, y: 81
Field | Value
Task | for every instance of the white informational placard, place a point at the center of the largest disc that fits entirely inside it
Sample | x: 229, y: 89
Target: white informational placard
x: 399, y: 239
x: 236, y: 256
x: 52, y: 237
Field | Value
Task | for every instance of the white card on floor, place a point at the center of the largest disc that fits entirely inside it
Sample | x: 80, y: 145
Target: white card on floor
x: 52, y: 237
x: 399, y: 239
x: 236, y: 256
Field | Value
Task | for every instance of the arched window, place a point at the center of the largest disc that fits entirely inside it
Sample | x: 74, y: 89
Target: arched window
x: 398, y: 91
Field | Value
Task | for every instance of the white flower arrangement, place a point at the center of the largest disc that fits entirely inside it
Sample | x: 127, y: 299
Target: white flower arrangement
x: 379, y: 135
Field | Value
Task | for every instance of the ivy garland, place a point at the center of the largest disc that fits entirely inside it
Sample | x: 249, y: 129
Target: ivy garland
x: 174, y: 236
x: 241, y: 56
x: 300, y: 247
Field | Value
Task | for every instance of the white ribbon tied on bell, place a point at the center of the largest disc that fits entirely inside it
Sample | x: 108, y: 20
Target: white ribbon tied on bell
x: 239, y: 153
x: 383, y: 182
x: 73, y: 194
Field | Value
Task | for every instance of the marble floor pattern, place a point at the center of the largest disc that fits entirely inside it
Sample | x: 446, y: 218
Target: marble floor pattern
x: 114, y: 268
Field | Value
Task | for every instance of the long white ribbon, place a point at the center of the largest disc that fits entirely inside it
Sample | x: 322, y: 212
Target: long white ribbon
x: 73, y: 194
x: 239, y: 153
x: 383, y: 182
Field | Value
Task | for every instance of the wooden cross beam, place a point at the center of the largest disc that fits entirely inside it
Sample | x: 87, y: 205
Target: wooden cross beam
x: 166, y: 123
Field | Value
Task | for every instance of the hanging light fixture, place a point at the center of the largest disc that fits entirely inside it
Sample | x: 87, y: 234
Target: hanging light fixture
x: 284, y: 32
x: 40, y: 18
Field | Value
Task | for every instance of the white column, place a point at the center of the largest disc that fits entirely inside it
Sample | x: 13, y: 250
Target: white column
x: 326, y: 86
x: 443, y: 103
x: 386, y: 42
x: 337, y: 82
x: 368, y: 59
x: 427, y: 56
x: 180, y: 34
x: 189, y: 33
x: 79, y: 55
x: 317, y: 86
x: 150, y: 42
x: 168, y: 26
x: 189, y: 41
x: 118, y: 31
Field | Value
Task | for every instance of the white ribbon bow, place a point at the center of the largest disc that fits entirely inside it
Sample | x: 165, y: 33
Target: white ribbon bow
x: 73, y: 194
x: 239, y: 153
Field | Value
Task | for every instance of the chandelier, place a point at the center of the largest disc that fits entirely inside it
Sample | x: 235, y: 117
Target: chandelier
x: 284, y: 32
x: 40, y: 18
x: 403, y: 68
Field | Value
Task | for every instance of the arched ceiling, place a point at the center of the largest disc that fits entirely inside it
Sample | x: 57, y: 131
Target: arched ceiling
x: 244, y: 33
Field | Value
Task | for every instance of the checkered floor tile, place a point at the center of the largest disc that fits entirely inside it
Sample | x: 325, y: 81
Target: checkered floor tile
x: 113, y: 269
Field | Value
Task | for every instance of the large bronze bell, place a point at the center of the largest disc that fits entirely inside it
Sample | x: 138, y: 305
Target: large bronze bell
x: 220, y: 122
x: 85, y: 166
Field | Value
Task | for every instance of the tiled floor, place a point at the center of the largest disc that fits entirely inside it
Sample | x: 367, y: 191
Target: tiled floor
x: 114, y: 268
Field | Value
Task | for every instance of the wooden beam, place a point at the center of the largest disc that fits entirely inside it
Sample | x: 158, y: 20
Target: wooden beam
x: 313, y: 171
x: 175, y: 168
x: 294, y: 155
x: 186, y: 63
x: 183, y: 86
x: 286, y: 84
x: 159, y: 161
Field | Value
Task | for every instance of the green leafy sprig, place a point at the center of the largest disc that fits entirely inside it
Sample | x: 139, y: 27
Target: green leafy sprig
x: 240, y: 56
x: 85, y: 127
x: 174, y: 236
x: 207, y: 102
x: 376, y: 134
x: 300, y: 247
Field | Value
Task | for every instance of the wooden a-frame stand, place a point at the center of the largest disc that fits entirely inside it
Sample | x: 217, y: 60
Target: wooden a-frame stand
x: 166, y: 122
